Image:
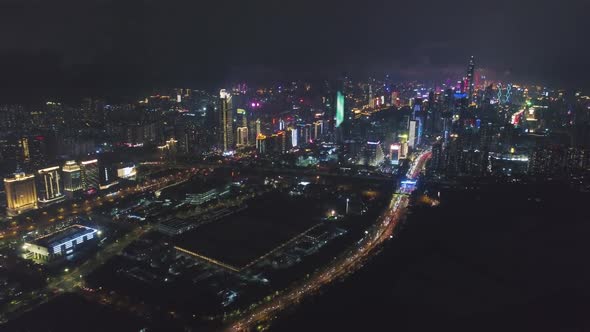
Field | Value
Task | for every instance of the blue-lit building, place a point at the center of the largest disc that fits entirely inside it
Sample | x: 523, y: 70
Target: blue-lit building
x: 58, y: 244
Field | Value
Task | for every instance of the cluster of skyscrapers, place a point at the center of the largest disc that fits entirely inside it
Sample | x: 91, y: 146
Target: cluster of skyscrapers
x: 50, y: 185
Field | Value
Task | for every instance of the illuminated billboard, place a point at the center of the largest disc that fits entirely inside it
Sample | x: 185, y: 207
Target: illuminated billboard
x: 126, y: 172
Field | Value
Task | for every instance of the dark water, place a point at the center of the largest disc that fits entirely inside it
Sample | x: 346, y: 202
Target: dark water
x: 500, y: 258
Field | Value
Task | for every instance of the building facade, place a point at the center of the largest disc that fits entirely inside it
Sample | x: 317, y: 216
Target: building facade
x: 21, y: 194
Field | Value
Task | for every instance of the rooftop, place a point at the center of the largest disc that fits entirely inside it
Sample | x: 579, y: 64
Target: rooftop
x: 63, y: 235
x: 240, y: 240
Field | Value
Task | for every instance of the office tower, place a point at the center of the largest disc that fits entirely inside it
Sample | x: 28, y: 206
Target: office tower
x: 261, y: 144
x: 242, y: 137
x: 50, y: 188
x: 437, y: 160
x: 453, y: 155
x: 412, y: 133
x: 394, y: 153
x: 258, y: 129
x: 339, y: 109
x: 212, y: 134
x: 226, y: 121
x: 318, y: 129
x: 242, y: 117
x: 23, y: 145
x: 470, y: 82
x: 294, y: 138
x: 403, y: 152
x: 21, y: 193
x: 187, y: 130
x: 90, y: 178
x: 168, y: 150
x: 107, y: 176
x: 72, y: 176
x: 375, y: 154
x: 282, y: 141
x: 307, y: 133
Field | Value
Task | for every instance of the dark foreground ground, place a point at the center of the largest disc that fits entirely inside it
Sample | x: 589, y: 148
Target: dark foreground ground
x: 71, y: 312
x: 499, y: 258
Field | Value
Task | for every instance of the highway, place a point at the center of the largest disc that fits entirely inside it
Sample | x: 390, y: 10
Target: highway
x: 49, y: 216
x: 350, y: 261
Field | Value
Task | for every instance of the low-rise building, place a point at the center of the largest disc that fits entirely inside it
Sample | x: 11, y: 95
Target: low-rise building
x: 60, y: 243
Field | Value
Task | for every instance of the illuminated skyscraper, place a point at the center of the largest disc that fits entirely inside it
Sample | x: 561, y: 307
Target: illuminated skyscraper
x: 242, y: 128
x: 339, y: 109
x: 471, y: 78
x: 72, y: 176
x: 226, y: 121
x: 294, y: 138
x: 242, y: 137
x: 23, y: 145
x: 261, y: 144
x: 21, y: 193
x: 50, y: 190
x: 375, y: 154
x: 281, y: 124
x: 258, y: 130
x: 318, y: 129
x: 242, y: 117
x: 282, y: 141
x: 412, y: 133
x: 90, y: 178
x: 394, y: 153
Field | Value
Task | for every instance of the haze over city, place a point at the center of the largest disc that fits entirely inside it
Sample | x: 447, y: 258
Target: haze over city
x: 294, y: 166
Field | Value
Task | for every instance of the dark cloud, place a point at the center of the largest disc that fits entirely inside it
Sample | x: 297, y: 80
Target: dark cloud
x: 110, y: 45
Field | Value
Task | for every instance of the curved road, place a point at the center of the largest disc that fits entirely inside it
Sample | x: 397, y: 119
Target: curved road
x: 350, y: 261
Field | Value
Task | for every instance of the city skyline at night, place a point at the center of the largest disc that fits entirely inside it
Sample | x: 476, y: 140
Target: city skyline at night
x: 294, y: 166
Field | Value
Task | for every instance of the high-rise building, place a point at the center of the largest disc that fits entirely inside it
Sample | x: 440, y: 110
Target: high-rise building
x: 375, y: 154
x: 394, y: 151
x: 339, y: 109
x: 107, y: 176
x: 293, y: 135
x: 281, y: 141
x: 72, y: 176
x: 261, y: 144
x: 470, y: 82
x: 242, y: 137
x: 90, y: 178
x: 242, y: 117
x: 307, y: 132
x: 21, y: 193
x: 437, y: 160
x: 412, y: 133
x: 318, y: 129
x: 226, y: 121
x: 23, y: 145
x: 403, y: 152
x: 258, y: 129
x: 50, y: 188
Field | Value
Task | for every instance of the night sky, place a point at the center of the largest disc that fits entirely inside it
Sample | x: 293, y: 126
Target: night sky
x: 115, y: 46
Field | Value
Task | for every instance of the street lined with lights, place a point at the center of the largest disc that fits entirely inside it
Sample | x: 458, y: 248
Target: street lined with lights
x: 347, y: 263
